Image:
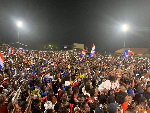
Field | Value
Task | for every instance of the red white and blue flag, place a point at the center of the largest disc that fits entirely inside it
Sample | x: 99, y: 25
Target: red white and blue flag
x: 9, y: 50
x: 83, y: 54
x: 127, y: 53
x: 93, y: 51
x: 1, y: 60
x: 13, y: 51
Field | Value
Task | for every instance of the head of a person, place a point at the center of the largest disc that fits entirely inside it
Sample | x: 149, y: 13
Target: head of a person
x: 1, y: 77
x: 85, y: 107
x: 123, y: 88
x: 113, y: 107
x: 24, y: 95
x: 92, y: 92
x: 5, y: 85
x: 139, y: 90
x: 139, y: 109
x: 96, y: 92
x: 1, y: 88
x: 128, y: 99
x: 63, y: 110
x: 102, y: 99
x: 111, y: 92
x: 93, y: 82
x: 81, y: 98
x: 37, y: 103
x: 87, y: 88
x: 75, y: 90
x: 129, y: 111
x: 57, y: 106
x: 142, y: 101
x: 38, y: 83
x: 69, y: 90
x: 143, y: 80
x: 85, y: 80
x: 112, y: 79
x: 111, y: 99
x: 130, y: 91
x: 120, y: 98
x: 64, y: 96
x: 2, y: 99
x: 148, y: 89
x: 43, y: 88
x: 53, y: 99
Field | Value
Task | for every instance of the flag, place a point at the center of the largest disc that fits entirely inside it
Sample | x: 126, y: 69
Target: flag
x: 9, y: 50
x: 130, y: 52
x: 127, y: 53
x: 93, y: 51
x: 1, y: 60
x: 83, y: 54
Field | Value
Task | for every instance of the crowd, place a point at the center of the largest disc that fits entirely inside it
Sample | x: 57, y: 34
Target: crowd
x: 62, y: 82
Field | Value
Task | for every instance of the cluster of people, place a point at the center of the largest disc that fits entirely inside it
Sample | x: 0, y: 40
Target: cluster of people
x: 62, y: 82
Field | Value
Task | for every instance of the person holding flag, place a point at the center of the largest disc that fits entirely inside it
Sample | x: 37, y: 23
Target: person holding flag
x: 92, y: 51
x: 83, y: 54
x: 1, y: 60
x: 128, y: 52
x: 13, y: 51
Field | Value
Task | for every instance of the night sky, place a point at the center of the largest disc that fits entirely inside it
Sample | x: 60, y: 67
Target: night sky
x: 76, y: 21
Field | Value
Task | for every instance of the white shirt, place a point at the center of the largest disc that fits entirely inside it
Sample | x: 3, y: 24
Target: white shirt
x: 108, y: 85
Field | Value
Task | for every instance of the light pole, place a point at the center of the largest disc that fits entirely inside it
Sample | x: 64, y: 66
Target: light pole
x: 125, y: 28
x: 19, y: 24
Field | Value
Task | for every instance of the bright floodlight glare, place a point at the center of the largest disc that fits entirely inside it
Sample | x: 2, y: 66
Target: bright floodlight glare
x: 19, y: 23
x: 125, y: 27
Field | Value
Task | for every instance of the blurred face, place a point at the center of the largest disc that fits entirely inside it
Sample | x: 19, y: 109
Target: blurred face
x: 70, y: 92
x: 143, y: 80
x: 81, y: 100
x: 128, y: 99
x: 112, y: 93
x: 1, y: 77
x: 122, y: 88
x: 65, y: 97
x: 87, y: 108
x: 39, y: 105
x: 44, y: 89
x: 53, y: 100
x: 96, y: 93
x: 140, y: 109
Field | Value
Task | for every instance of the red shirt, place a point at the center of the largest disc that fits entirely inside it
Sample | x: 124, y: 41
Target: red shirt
x: 124, y: 106
x: 89, y: 99
x: 3, y: 109
x: 148, y: 110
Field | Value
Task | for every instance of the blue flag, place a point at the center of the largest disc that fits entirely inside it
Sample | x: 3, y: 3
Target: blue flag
x: 125, y: 53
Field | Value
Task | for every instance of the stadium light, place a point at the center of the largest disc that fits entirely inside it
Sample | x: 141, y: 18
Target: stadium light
x: 19, y: 24
x: 125, y: 28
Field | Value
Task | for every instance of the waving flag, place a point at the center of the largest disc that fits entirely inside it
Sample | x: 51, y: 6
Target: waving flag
x: 130, y: 52
x: 93, y: 51
x: 9, y: 50
x: 127, y: 53
x: 1, y: 60
x: 13, y: 51
x: 83, y: 54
